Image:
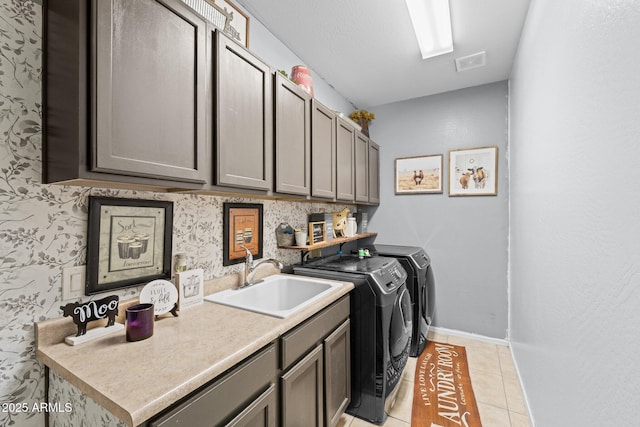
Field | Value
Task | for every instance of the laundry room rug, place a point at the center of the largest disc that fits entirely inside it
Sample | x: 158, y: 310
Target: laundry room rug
x: 442, y: 394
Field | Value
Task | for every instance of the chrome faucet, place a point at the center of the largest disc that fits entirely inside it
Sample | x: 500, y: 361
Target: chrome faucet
x: 249, y: 268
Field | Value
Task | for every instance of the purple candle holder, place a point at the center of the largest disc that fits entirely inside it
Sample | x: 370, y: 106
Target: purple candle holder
x: 139, y: 322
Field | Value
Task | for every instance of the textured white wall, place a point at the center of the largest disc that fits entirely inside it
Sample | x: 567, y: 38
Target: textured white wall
x: 466, y: 237
x: 280, y: 57
x: 575, y: 234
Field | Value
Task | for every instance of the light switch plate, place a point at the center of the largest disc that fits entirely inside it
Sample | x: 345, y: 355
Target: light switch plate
x: 73, y: 282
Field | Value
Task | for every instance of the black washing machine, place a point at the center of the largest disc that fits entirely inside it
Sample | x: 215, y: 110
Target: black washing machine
x: 421, y: 286
x: 381, y: 325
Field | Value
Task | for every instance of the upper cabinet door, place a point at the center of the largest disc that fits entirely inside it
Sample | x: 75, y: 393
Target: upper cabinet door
x: 323, y: 151
x: 244, y: 122
x: 362, y: 168
x: 293, y: 137
x: 345, y: 161
x: 374, y: 173
x: 148, y: 89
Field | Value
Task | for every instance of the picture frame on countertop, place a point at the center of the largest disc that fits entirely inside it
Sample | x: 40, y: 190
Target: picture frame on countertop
x: 317, y: 232
x: 190, y: 286
x: 419, y: 174
x: 129, y: 243
x: 239, y: 26
x: 473, y: 171
x: 242, y: 226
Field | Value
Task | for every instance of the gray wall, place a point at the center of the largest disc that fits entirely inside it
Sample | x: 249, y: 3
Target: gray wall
x: 466, y: 237
x: 575, y: 251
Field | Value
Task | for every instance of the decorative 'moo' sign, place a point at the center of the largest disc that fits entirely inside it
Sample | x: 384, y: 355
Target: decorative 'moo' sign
x: 83, y: 313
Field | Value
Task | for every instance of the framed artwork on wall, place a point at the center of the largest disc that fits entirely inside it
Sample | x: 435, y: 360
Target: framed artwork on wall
x: 239, y: 26
x: 242, y: 226
x: 129, y: 243
x: 418, y: 174
x: 473, y: 172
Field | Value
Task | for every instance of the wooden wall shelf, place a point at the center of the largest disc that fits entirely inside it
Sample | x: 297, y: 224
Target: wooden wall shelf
x: 326, y: 244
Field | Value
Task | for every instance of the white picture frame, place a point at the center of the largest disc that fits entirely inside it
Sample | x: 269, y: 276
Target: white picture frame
x: 239, y: 26
x: 473, y: 171
x: 190, y: 286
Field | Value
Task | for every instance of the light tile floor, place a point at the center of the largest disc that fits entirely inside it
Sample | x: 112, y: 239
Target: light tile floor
x: 493, y: 378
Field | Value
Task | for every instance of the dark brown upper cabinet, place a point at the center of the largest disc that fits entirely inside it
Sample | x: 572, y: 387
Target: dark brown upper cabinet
x: 374, y: 173
x: 243, y: 117
x: 292, y: 137
x: 125, y: 92
x: 345, y: 160
x: 362, y: 168
x: 323, y: 151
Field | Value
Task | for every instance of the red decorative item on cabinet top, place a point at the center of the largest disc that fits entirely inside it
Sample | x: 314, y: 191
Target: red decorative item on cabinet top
x: 301, y: 76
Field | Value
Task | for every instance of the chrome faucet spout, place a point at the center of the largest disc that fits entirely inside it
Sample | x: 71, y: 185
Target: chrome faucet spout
x: 249, y: 268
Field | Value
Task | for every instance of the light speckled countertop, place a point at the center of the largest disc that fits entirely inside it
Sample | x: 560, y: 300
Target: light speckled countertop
x: 183, y: 354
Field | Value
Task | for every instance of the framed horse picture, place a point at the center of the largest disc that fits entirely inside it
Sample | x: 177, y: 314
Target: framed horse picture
x: 473, y: 172
x: 419, y: 174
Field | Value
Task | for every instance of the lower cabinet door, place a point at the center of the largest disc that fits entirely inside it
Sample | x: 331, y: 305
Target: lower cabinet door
x: 260, y: 413
x: 302, y: 392
x: 337, y: 365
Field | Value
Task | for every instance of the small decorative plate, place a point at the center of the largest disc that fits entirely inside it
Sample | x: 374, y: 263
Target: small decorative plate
x: 162, y: 294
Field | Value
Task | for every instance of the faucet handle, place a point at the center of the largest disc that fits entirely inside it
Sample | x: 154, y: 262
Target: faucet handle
x: 249, y: 255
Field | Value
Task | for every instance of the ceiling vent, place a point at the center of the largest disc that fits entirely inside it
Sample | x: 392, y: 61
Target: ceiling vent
x: 469, y: 62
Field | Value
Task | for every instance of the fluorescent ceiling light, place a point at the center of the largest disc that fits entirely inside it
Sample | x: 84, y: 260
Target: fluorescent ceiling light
x: 432, y: 24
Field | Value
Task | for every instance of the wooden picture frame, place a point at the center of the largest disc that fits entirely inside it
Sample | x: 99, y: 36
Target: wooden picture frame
x: 317, y: 232
x: 129, y: 243
x: 418, y: 174
x: 242, y: 226
x: 473, y: 171
x: 239, y: 22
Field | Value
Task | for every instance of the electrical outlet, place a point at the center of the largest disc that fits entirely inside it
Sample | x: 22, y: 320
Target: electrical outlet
x: 73, y: 282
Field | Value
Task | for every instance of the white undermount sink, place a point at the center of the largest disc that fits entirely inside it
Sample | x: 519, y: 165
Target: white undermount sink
x: 279, y: 295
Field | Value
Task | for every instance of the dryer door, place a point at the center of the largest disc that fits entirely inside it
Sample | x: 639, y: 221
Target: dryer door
x: 400, y: 333
x: 399, y: 338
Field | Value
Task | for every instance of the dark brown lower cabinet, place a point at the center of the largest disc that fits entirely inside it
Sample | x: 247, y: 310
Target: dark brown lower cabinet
x: 246, y: 396
x: 316, y: 365
x: 260, y: 413
x: 302, y: 397
x: 337, y: 366
x: 301, y: 379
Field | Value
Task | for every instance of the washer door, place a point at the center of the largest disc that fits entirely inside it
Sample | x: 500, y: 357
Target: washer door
x: 401, y: 323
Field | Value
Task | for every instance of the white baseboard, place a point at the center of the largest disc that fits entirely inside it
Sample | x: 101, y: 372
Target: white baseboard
x: 468, y: 335
x: 524, y: 392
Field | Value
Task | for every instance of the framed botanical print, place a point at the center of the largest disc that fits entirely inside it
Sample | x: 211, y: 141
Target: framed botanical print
x: 129, y: 242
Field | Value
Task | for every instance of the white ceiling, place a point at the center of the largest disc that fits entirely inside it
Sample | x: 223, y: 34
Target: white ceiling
x: 367, y: 49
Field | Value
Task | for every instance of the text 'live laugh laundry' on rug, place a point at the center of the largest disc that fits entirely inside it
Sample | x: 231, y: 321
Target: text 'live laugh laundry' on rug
x: 442, y: 395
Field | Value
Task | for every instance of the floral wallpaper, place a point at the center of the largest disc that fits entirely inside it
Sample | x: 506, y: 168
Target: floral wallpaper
x: 43, y: 229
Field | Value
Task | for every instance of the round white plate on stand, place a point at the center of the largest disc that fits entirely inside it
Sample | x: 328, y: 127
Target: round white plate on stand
x: 162, y: 294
